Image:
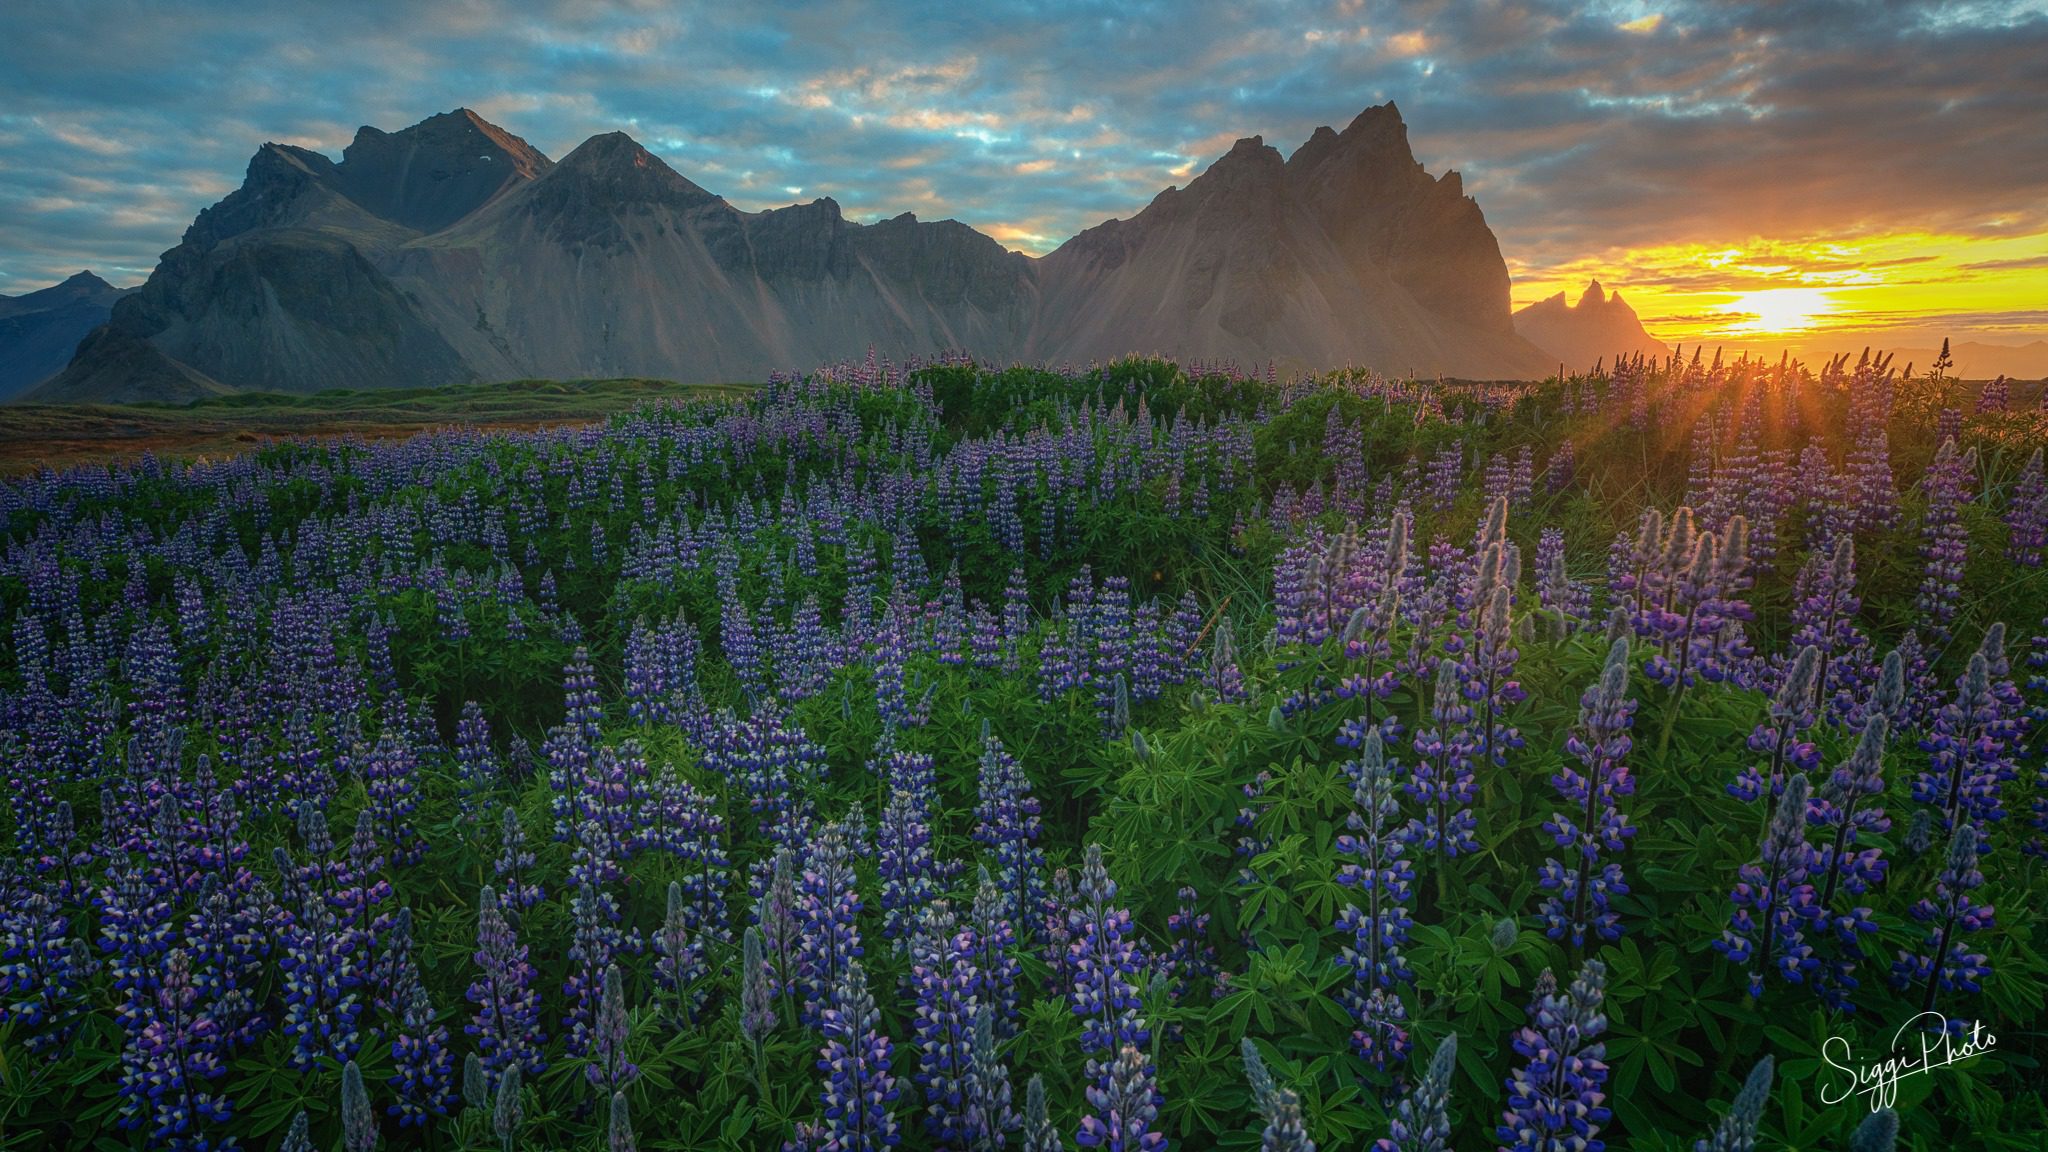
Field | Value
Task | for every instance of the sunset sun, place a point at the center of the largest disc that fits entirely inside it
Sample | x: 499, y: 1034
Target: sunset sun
x: 1775, y: 311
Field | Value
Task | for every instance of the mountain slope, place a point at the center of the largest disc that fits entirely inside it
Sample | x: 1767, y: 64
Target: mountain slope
x: 1599, y: 327
x: 1345, y: 253
x: 40, y: 330
x: 454, y: 251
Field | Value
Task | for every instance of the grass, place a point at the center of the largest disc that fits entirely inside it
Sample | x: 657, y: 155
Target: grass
x: 36, y: 436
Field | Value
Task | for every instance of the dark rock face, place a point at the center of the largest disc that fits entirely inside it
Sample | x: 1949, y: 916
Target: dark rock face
x: 452, y: 250
x: 40, y: 330
x: 1600, y: 327
x: 1346, y: 252
x: 437, y: 171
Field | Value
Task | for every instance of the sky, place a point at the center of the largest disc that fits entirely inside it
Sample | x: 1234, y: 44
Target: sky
x: 1745, y: 174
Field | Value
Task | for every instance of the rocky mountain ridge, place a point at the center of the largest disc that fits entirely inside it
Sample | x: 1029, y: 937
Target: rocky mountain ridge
x: 454, y: 251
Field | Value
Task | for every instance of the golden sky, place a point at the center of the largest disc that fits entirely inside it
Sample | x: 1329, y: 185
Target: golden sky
x: 1816, y: 291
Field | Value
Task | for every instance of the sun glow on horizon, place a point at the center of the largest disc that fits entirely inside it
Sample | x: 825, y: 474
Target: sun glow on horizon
x: 1778, y: 311
x: 1820, y: 291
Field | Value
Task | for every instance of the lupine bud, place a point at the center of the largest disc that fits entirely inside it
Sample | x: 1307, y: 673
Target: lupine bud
x: 1422, y: 1122
x: 1038, y: 1134
x: 358, y: 1123
x: 1258, y: 1076
x: 1505, y: 933
x: 296, y: 1138
x: 475, y: 1092
x: 510, y: 1112
x: 621, y: 1131
x: 1879, y: 1132
x: 1737, y: 1132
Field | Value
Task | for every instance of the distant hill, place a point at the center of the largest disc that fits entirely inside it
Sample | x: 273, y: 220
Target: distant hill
x: 40, y: 330
x: 1599, y: 327
x: 1974, y: 360
x: 453, y: 251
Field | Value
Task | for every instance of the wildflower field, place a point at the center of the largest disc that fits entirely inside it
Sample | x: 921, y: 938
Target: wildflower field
x: 1140, y: 757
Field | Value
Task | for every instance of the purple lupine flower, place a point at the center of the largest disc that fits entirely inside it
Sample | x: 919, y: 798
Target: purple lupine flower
x: 2026, y: 515
x: 170, y: 1060
x: 1557, y: 1098
x: 683, y: 820
x: 855, y: 1060
x: 1874, y: 495
x: 1422, y: 1121
x: 302, y: 774
x: 1192, y: 958
x: 609, y: 1070
x: 583, y: 709
x: 944, y: 981
x: 1580, y: 890
x: 135, y: 933
x: 1968, y: 758
x: 322, y: 970
x: 1945, y: 540
x: 1780, y: 737
x: 909, y: 874
x: 992, y: 939
x: 1006, y: 825
x: 827, y: 915
x: 1223, y: 676
x: 1488, y: 670
x: 775, y: 914
x: 42, y: 970
x: 1442, y: 780
x: 682, y: 963
x: 388, y: 778
x: 423, y: 1066
x: 1373, y: 951
x: 1105, y: 962
x: 1842, y: 864
x: 1773, y: 899
x: 1016, y: 619
x: 507, y: 1024
x: 757, y: 989
x: 1125, y: 1106
x: 1824, y: 611
x: 515, y: 864
x: 989, y: 1116
x: 476, y: 766
x: 595, y: 943
x: 1945, y: 963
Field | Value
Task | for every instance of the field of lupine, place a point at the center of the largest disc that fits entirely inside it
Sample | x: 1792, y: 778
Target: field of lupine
x: 1127, y: 758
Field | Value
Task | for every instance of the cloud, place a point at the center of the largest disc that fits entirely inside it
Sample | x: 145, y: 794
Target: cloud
x: 2040, y: 261
x: 1584, y: 132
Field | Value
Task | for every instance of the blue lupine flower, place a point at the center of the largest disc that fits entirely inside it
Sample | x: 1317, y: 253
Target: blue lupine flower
x: 1594, y: 824
x: 1557, y: 1098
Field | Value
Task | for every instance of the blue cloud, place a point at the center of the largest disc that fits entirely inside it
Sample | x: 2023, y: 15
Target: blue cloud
x: 1577, y: 127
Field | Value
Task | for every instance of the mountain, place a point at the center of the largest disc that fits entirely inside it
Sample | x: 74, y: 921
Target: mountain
x: 454, y: 251
x: 1346, y: 251
x: 40, y: 330
x: 1599, y: 327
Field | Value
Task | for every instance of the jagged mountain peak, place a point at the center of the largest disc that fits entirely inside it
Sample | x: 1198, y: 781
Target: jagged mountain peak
x: 1599, y: 326
x: 437, y: 171
x: 615, y: 167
